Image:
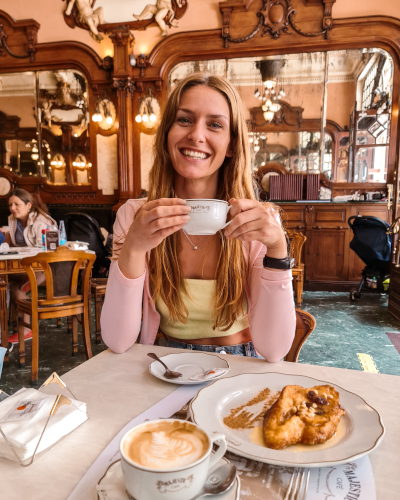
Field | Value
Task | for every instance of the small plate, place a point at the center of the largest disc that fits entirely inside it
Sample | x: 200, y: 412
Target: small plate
x: 111, y: 485
x: 359, y: 432
x: 189, y: 364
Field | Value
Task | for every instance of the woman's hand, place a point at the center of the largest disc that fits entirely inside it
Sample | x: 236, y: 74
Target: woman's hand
x: 155, y: 221
x: 254, y: 222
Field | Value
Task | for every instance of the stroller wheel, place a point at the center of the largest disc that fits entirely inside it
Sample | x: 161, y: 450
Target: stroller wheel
x: 354, y: 295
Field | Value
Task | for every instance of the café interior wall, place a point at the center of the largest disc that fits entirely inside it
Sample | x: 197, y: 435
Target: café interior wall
x: 17, y: 106
x: 201, y: 15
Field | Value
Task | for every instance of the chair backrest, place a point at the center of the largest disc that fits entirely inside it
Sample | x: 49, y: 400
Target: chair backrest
x: 61, y: 269
x: 296, y: 241
x: 305, y: 324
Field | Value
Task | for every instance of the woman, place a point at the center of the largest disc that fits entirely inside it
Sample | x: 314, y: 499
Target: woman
x: 209, y: 297
x: 28, y: 217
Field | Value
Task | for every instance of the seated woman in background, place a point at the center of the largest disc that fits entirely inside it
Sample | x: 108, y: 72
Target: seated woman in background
x: 204, y: 293
x: 28, y: 217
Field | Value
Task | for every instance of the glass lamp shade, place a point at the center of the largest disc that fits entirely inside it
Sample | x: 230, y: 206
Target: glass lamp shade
x: 109, y: 120
x: 268, y: 103
x: 269, y: 84
x: 153, y: 117
x: 256, y: 149
x: 268, y: 115
x: 145, y: 118
x: 35, y: 156
x: 138, y: 119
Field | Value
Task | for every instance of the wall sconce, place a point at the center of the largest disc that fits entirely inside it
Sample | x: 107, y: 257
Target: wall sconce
x: 141, y: 62
x: 149, y: 108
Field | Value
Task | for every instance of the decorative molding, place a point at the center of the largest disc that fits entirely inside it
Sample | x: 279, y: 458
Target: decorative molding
x: 27, y: 27
x: 125, y: 86
x: 275, y: 16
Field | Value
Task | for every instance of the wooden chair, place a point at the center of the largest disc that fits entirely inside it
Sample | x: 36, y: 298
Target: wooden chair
x: 61, y: 300
x: 98, y: 291
x: 305, y: 324
x: 297, y: 241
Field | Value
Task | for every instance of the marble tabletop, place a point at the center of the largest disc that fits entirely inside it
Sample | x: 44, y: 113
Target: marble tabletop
x: 118, y: 387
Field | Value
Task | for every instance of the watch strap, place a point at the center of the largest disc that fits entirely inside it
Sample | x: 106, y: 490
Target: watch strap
x: 283, y: 264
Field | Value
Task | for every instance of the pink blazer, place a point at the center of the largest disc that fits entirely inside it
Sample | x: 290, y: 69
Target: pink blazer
x: 271, y: 307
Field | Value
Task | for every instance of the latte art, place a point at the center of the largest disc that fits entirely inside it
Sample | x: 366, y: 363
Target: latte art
x: 166, y: 446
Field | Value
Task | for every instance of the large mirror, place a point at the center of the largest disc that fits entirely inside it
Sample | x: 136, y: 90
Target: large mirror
x: 44, y: 126
x: 323, y: 112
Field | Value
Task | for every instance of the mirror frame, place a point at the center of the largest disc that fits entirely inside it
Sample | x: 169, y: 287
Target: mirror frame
x: 366, y: 32
x: 58, y: 56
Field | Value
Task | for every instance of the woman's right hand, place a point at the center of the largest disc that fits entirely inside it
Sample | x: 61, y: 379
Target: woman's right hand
x: 155, y: 221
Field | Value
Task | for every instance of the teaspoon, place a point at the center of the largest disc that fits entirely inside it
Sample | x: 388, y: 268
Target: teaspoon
x: 218, y: 481
x: 168, y: 373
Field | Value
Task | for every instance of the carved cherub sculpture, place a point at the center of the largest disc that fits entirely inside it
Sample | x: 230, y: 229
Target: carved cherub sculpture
x: 160, y: 10
x: 46, y: 112
x: 92, y: 18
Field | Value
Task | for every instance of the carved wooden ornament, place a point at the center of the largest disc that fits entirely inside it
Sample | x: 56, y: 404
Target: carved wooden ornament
x: 276, y: 17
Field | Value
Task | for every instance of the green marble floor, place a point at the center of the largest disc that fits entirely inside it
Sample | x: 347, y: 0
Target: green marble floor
x: 343, y: 329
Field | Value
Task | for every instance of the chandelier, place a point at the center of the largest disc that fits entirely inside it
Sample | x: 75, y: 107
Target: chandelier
x: 269, y: 71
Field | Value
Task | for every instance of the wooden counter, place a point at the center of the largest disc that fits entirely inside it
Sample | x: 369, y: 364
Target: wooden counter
x: 330, y: 264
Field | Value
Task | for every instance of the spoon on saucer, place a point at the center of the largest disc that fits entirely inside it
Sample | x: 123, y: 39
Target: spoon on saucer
x: 218, y: 481
x: 168, y: 373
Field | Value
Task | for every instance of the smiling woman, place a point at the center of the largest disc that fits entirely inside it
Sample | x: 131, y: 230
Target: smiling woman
x: 220, y: 297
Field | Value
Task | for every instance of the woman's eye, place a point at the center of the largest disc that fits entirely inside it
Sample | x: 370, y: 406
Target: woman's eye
x: 182, y: 119
x: 216, y: 125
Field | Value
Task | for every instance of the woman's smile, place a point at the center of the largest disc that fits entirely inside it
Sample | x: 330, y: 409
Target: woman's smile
x: 194, y: 154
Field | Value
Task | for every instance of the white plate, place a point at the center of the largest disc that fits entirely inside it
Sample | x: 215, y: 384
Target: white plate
x: 189, y: 364
x: 111, y: 485
x: 359, y: 432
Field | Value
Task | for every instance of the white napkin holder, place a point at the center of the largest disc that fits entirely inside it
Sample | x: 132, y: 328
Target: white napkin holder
x: 24, y: 436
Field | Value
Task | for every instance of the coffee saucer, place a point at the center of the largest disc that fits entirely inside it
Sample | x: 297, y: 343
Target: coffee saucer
x: 190, y: 363
x: 111, y: 485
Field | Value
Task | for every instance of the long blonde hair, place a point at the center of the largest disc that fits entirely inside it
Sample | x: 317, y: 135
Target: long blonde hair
x: 234, y: 181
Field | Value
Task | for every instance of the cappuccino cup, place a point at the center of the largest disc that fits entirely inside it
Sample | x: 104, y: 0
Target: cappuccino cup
x: 207, y: 217
x: 168, y: 459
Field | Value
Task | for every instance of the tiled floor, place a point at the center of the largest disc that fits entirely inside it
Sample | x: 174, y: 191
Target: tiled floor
x: 343, y: 330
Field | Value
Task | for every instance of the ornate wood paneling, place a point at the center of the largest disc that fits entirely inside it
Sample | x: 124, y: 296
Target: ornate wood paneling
x: 330, y: 264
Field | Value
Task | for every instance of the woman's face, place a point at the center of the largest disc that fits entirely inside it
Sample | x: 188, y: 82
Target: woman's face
x: 199, y: 138
x: 18, y: 208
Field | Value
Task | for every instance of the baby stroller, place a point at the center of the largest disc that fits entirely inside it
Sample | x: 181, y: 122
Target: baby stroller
x: 372, y: 243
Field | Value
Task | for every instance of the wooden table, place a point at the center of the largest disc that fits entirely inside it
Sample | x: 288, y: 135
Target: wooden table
x: 118, y: 387
x: 11, y: 264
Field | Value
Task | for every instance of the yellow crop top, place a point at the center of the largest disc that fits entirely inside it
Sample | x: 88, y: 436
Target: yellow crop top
x: 200, y: 304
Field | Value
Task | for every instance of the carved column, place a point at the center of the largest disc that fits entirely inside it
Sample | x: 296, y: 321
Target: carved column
x: 128, y: 173
x: 66, y: 147
x: 129, y: 177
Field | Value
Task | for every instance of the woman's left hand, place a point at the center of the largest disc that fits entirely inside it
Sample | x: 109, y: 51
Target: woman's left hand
x: 254, y: 222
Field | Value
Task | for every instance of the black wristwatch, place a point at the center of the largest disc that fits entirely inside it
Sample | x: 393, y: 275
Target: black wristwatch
x: 285, y: 263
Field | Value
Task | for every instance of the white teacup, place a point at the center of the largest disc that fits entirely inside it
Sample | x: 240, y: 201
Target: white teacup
x: 168, y: 459
x: 207, y: 216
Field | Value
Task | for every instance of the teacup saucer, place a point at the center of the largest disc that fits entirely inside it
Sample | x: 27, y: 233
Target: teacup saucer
x: 189, y: 363
x: 111, y: 485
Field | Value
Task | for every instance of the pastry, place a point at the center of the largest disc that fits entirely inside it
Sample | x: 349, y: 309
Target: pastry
x: 306, y: 416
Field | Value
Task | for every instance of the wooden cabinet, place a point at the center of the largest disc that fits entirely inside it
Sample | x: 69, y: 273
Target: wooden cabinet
x: 330, y: 264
